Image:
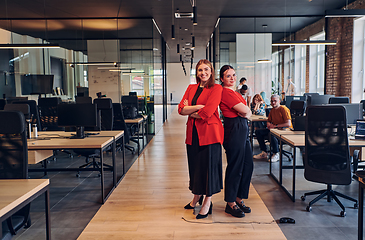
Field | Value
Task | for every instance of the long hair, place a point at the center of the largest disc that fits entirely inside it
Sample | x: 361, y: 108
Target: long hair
x: 258, y: 97
x: 210, y: 82
x: 223, y: 69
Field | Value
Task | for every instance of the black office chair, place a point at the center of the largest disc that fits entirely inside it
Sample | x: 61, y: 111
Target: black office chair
x: 105, y: 123
x: 119, y: 124
x: 34, y: 111
x: 336, y: 100
x: 297, y: 110
x: 327, y: 155
x: 2, y: 104
x: 105, y: 109
x: 14, y: 161
x: 363, y: 107
x: 83, y: 99
x: 48, y: 113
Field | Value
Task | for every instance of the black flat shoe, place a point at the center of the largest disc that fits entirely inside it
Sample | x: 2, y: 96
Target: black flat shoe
x: 235, y: 211
x: 243, y: 207
x: 200, y: 216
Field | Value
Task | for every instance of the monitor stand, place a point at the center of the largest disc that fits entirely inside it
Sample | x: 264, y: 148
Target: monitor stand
x: 80, y: 132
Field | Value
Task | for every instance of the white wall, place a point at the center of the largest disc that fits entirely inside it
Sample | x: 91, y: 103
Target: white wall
x: 177, y: 82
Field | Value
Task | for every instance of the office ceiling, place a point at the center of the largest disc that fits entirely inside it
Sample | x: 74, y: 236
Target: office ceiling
x: 70, y: 20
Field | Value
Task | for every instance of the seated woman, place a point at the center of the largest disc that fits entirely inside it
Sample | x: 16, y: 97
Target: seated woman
x: 258, y: 105
x: 258, y: 108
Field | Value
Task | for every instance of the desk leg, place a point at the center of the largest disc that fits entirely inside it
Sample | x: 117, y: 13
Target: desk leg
x: 102, y: 176
x: 143, y: 134
x: 123, y: 154
x: 138, y: 136
x: 270, y: 156
x: 114, y: 163
x: 294, y: 171
x: 281, y: 164
x: 360, y: 222
x: 48, y: 217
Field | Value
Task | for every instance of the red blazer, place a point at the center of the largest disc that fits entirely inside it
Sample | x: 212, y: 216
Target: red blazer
x: 209, y: 128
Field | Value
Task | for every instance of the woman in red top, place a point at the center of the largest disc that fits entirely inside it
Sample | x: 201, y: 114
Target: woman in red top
x: 204, y: 137
x: 236, y: 143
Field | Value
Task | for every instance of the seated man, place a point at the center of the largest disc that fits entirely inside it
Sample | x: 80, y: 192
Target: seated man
x: 279, y: 117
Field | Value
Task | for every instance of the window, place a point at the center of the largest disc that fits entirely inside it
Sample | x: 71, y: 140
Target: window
x: 300, y: 69
x: 316, y: 65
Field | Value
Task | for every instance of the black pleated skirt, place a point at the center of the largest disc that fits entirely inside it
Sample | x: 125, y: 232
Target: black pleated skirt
x: 205, y: 167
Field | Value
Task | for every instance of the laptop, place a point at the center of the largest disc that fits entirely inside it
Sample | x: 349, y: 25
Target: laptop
x: 360, y: 129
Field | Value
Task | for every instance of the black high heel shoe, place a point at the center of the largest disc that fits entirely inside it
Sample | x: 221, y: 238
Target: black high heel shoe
x: 200, y: 216
x: 188, y: 206
x: 201, y: 199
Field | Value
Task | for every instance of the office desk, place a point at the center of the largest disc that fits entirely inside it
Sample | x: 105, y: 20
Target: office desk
x: 252, y: 119
x: 295, y: 139
x: 141, y: 122
x: 360, y: 220
x: 53, y: 140
x: 17, y: 193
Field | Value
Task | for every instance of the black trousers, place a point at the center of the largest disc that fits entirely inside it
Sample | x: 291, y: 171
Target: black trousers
x: 239, y: 159
x: 205, y: 167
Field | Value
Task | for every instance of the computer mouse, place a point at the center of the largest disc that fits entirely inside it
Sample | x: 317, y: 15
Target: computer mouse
x: 286, y: 220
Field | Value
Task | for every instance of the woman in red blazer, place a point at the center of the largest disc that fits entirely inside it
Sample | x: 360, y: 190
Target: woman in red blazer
x: 204, y: 137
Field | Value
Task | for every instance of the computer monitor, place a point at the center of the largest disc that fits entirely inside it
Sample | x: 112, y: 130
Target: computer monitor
x: 289, y: 99
x: 318, y: 99
x: 36, y: 84
x: 353, y: 112
x: 77, y: 115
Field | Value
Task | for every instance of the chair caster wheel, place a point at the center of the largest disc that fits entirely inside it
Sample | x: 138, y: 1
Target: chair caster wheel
x: 356, y: 206
x: 342, y: 213
x: 308, y: 208
x: 78, y: 175
x: 302, y: 198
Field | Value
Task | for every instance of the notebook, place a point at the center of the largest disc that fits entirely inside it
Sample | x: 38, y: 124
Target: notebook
x: 360, y: 129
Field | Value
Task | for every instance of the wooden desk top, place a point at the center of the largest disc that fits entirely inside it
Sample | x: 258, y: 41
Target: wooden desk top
x: 136, y: 120
x: 58, y: 139
x: 257, y: 118
x: 287, y: 131
x: 299, y: 141
x: 15, y: 191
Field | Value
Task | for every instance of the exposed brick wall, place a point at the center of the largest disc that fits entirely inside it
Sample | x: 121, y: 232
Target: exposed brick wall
x: 339, y: 57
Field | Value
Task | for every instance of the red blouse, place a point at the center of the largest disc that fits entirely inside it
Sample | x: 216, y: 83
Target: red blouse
x: 230, y: 98
x: 209, y: 128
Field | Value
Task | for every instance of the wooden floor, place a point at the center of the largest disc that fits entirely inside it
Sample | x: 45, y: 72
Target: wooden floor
x: 148, y: 203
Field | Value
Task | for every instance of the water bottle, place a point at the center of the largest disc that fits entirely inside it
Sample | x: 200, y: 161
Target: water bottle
x: 35, y: 131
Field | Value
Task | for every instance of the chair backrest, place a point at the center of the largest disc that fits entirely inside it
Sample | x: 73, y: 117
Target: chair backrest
x: 34, y: 111
x: 119, y: 123
x: 327, y: 157
x: 334, y: 100
x: 48, y: 113
x: 105, y: 109
x: 2, y: 104
x: 13, y: 145
x: 363, y: 106
x: 23, y: 108
x: 297, y: 108
x: 84, y: 100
